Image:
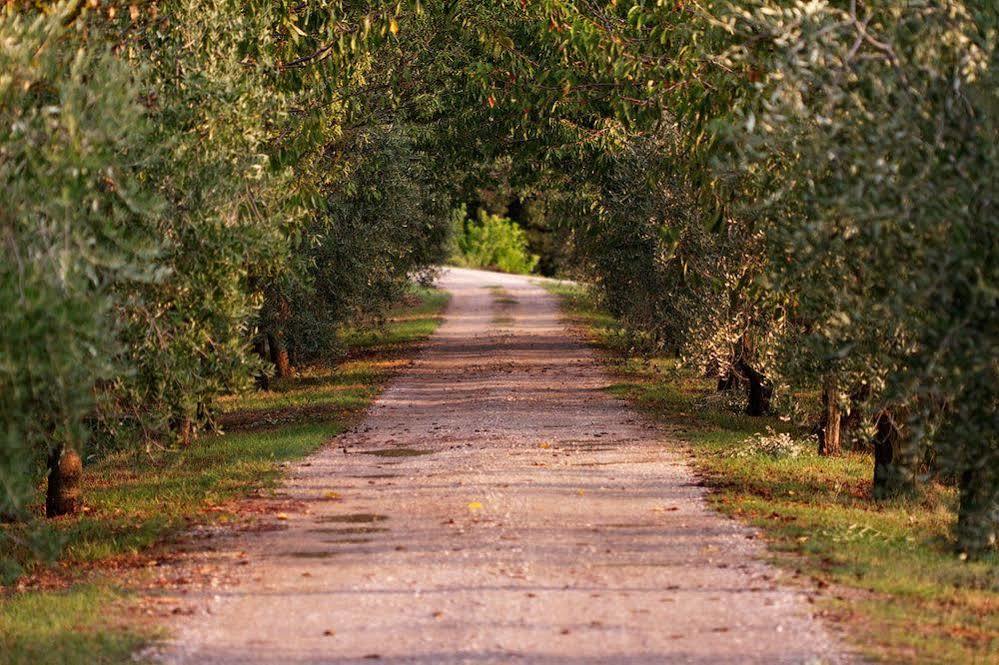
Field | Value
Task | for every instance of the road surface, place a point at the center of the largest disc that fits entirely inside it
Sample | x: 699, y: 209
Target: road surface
x: 498, y: 506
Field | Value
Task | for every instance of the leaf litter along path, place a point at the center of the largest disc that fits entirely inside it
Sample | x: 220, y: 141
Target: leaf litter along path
x: 497, y: 506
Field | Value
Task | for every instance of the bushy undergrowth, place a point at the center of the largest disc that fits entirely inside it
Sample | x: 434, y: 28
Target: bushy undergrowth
x: 777, y: 445
x: 493, y: 243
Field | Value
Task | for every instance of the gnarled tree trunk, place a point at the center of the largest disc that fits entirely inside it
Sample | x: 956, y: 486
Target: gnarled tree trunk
x: 62, y: 496
x: 890, y: 475
x: 760, y: 391
x: 279, y: 355
x: 830, y: 426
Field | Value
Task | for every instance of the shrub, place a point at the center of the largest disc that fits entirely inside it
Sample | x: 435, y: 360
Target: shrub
x: 493, y: 242
x: 778, y: 445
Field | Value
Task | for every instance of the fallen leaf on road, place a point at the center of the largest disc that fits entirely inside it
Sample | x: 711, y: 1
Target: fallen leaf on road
x: 475, y: 505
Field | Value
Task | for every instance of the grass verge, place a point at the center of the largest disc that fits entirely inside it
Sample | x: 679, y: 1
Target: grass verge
x: 886, y: 571
x: 135, y: 499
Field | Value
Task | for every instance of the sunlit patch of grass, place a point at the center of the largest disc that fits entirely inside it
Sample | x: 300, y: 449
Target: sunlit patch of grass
x: 313, y: 386
x: 137, y: 498
x: 414, y: 319
x: 316, y: 392
x: 69, y: 627
x: 888, y: 569
x: 161, y: 492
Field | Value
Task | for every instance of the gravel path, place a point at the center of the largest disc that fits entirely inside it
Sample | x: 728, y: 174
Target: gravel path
x: 497, y: 506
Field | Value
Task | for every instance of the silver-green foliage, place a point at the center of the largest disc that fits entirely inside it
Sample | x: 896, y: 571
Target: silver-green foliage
x: 77, y: 227
x: 881, y: 224
x: 843, y: 156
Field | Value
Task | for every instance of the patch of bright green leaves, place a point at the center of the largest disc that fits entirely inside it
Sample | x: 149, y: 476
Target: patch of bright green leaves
x: 493, y: 243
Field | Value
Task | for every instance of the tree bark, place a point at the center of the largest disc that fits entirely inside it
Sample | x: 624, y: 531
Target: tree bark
x: 829, y: 428
x: 279, y: 355
x: 889, y: 480
x: 186, y: 432
x: 262, y: 381
x: 62, y: 496
x: 760, y: 391
x: 978, y: 512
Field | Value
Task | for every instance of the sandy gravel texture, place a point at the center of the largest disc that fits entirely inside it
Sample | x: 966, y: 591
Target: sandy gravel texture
x: 498, y: 506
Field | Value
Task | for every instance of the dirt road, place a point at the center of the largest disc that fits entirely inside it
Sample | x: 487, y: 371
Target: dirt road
x: 497, y: 506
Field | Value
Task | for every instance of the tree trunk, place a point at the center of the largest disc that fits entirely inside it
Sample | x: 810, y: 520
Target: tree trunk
x: 186, y: 432
x: 978, y: 512
x: 829, y: 428
x: 890, y: 478
x: 279, y: 356
x: 853, y: 419
x: 262, y: 381
x: 728, y: 380
x: 760, y: 392
x: 62, y: 496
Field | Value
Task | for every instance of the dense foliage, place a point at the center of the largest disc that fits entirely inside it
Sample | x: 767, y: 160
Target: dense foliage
x: 492, y: 242
x: 172, y: 177
x: 78, y: 227
x: 791, y: 195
